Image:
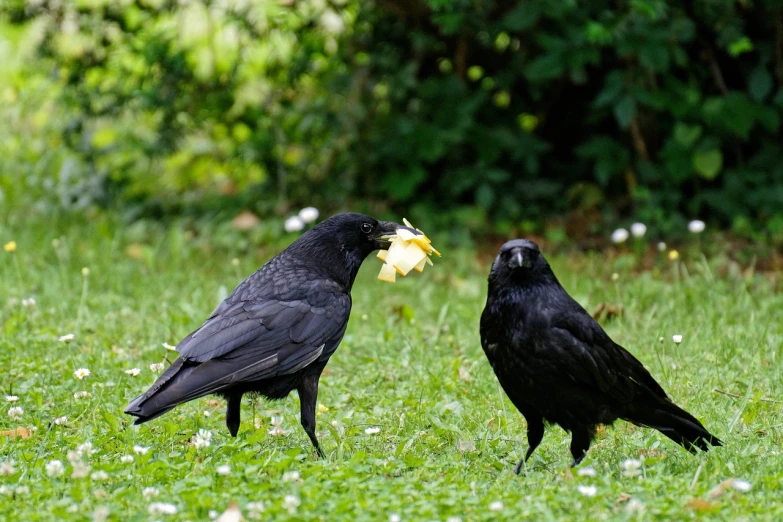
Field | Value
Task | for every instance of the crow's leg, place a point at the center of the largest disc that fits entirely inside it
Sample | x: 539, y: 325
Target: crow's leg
x: 535, y: 432
x: 232, y: 412
x: 580, y: 443
x: 308, y: 395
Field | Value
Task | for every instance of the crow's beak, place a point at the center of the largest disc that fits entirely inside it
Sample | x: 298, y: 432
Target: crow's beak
x: 386, y: 231
x: 517, y: 260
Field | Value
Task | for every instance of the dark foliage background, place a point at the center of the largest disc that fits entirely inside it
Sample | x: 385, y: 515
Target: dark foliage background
x: 559, y: 117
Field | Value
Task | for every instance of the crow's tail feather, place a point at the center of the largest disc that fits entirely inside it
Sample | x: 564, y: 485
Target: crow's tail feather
x: 676, y: 423
x: 153, y: 403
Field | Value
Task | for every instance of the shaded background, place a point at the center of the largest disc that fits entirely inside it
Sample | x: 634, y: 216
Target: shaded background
x: 562, y: 119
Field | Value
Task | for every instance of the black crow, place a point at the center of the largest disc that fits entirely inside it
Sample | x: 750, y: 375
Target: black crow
x: 558, y: 365
x: 277, y: 329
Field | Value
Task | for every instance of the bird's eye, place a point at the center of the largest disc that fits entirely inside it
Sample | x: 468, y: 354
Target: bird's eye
x: 366, y: 228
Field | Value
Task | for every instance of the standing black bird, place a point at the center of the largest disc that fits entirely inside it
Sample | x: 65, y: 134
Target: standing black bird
x: 558, y: 365
x: 277, y: 329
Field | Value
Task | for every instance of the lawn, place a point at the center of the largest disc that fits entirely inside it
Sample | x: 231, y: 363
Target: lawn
x: 412, y: 419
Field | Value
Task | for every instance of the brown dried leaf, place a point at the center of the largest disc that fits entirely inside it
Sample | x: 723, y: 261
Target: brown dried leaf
x: 21, y: 432
x: 246, y: 220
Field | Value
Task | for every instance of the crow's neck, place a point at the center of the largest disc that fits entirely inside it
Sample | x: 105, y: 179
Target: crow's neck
x: 328, y: 259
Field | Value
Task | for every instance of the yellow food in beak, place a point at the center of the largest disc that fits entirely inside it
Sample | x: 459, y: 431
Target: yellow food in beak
x: 408, y: 251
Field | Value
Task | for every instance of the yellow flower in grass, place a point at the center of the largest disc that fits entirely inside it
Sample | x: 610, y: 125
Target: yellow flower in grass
x: 10, y: 246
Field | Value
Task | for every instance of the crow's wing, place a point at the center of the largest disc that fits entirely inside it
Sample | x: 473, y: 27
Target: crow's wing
x: 590, y: 357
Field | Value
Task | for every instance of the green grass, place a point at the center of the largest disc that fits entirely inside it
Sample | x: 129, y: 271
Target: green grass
x: 448, y: 437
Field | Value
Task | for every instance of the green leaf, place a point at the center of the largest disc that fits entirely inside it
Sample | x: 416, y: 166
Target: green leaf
x: 686, y: 135
x: 625, y: 110
x: 708, y: 162
x: 759, y: 83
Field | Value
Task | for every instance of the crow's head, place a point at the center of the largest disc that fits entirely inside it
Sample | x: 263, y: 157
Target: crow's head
x: 340, y: 243
x: 520, y: 261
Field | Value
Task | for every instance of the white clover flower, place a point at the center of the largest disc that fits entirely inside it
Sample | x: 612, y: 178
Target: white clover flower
x: 496, y: 506
x: 81, y: 373
x: 149, y: 493
x: 28, y: 302
x: 254, y: 510
x: 661, y: 246
x: 140, y: 450
x: 54, y: 468
x: 372, y: 431
x: 235, y: 261
x: 677, y: 339
x: 202, y: 439
x: 207, y: 413
x: 332, y: 22
x: 615, y: 276
x: 588, y: 491
x: 586, y: 472
x: 80, y: 470
x: 126, y: 459
x: 223, y: 469
x: 293, y: 224
x: 290, y: 476
x: 619, y: 235
x: 162, y: 508
x: 99, y: 475
x: 133, y: 372
x: 59, y: 421
x: 66, y: 338
x: 8, y: 467
x: 213, y: 514
x: 394, y: 517
x: 309, y: 214
x: 638, y: 230
x: 15, y: 413
x: 22, y: 490
x: 11, y: 398
x: 634, y: 506
x: 632, y: 468
x: 277, y: 429
x: 81, y: 395
x: 170, y: 347
x: 741, y: 485
x: 85, y: 271
x: 85, y: 448
x: 156, y: 367
x: 696, y: 226
x: 454, y: 519
x: 291, y: 502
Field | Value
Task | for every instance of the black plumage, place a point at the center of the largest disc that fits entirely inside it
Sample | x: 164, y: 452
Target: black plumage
x: 277, y: 329
x: 557, y: 364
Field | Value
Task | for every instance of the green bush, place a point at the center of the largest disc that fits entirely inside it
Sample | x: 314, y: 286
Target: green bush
x: 493, y: 113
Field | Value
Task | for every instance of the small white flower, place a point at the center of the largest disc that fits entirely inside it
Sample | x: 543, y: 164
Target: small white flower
x: 81, y: 395
x: 696, y: 226
x: 66, y: 338
x: 394, y: 517
x: 213, y: 514
x: 202, y: 439
x: 638, y: 230
x: 149, y: 493
x: 156, y: 367
x: 632, y: 468
x: 454, y: 519
x: 8, y: 467
x: 290, y: 476
x: 15, y: 413
x: 619, y: 235
x: 372, y: 431
x: 11, y: 398
x: 661, y: 246
x: 54, y: 468
x: 741, y: 485
x: 126, y: 459
x: 80, y: 470
x: 254, y: 510
x: 308, y: 214
x: 170, y: 347
x: 235, y: 261
x: 133, y: 372
x: 277, y: 427
x: 677, y: 339
x: 496, y: 506
x: 85, y: 271
x: 162, y: 508
x: 634, y: 506
x: 28, y: 302
x: 615, y: 276
x: 290, y: 503
x: 293, y: 224
x: 223, y: 469
x: 207, y: 413
x: 59, y: 421
x: 140, y: 450
x: 586, y: 472
x: 81, y: 373
x: 588, y: 491
x: 99, y: 475
x: 332, y: 22
x: 85, y: 448
x: 22, y: 490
